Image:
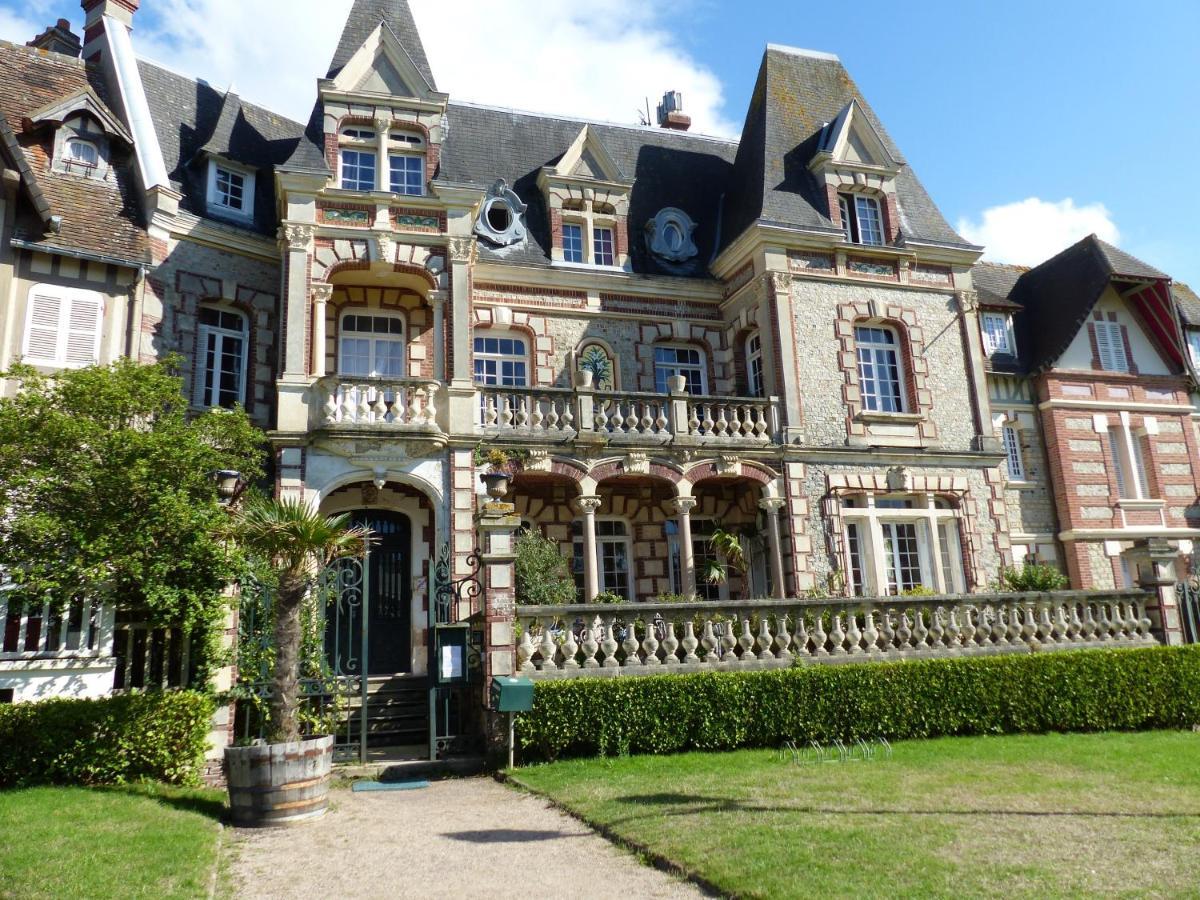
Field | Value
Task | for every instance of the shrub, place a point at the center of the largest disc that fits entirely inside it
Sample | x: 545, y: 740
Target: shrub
x: 541, y: 572
x: 608, y: 597
x: 1085, y: 690
x: 1033, y: 578
x: 127, y: 737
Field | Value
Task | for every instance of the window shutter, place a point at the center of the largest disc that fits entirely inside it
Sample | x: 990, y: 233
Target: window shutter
x: 83, y: 330
x: 1112, y: 347
x: 200, y: 374
x: 41, y: 339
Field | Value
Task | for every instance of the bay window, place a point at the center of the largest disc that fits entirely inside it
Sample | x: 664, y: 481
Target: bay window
x: 898, y: 544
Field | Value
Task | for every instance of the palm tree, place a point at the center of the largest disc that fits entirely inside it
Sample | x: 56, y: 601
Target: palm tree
x: 299, y: 542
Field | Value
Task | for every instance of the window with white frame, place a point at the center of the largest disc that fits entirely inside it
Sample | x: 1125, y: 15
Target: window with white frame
x: 78, y: 153
x: 895, y: 544
x: 1129, y: 463
x: 603, y: 247
x: 501, y: 360
x: 220, y: 358
x: 613, y: 552
x: 230, y: 190
x: 407, y: 173
x: 371, y: 345
x: 997, y: 333
x: 673, y: 360
x: 1194, y: 346
x: 704, y: 558
x: 1110, y: 342
x: 62, y: 326
x: 880, y: 374
x: 861, y: 219
x: 358, y: 156
x: 754, y: 365
x: 572, y: 242
x: 1012, y: 453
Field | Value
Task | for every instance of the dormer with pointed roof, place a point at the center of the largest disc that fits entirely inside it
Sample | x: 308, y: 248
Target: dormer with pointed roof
x: 587, y: 196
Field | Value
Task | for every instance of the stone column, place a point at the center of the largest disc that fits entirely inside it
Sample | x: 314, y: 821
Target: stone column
x: 778, y: 288
x: 437, y: 302
x: 497, y: 525
x: 981, y: 409
x: 463, y: 405
x: 771, y: 506
x: 320, y: 297
x: 591, y: 570
x: 687, y: 557
x: 297, y: 239
x: 1157, y: 560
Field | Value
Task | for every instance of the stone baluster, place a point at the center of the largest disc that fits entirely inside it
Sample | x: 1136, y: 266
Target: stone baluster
x: 1090, y: 628
x: 920, y: 630
x: 1074, y: 624
x: 525, y: 650
x: 570, y: 647
x: 631, y: 644
x: 1144, y: 625
x: 783, y: 640
x: 954, y: 631
x: 689, y: 642
x: 729, y: 642
x: 887, y: 629
x: 548, y: 649
x: 904, y: 631
x: 590, y: 645
x: 802, y: 638
x: 937, y: 631
x: 708, y: 640
x: 333, y: 406
x: 431, y: 409
x: 362, y: 408
x: 1002, y: 628
x: 650, y: 644
x: 670, y: 644
x: 853, y: 633
x: 609, y: 645
x: 819, y: 637
x: 1045, y: 625
x: 765, y: 640
x: 746, y: 641
x: 870, y: 631
x: 1028, y: 623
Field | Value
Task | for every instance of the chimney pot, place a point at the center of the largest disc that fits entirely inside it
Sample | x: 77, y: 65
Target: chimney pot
x: 670, y: 112
x: 57, y: 38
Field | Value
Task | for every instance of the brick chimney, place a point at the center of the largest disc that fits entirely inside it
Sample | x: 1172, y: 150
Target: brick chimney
x: 58, y: 38
x: 93, y: 28
x: 670, y: 112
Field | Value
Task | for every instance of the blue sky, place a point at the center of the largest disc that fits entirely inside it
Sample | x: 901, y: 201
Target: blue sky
x: 1031, y: 123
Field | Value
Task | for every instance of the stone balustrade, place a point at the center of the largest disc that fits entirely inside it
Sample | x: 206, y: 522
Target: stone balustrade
x: 378, y: 403
x: 651, y: 638
x: 537, y: 411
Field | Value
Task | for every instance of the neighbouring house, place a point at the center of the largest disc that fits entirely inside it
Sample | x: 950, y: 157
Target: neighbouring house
x: 778, y: 335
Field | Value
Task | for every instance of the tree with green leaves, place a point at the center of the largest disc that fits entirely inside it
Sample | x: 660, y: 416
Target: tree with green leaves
x: 298, y: 543
x: 107, y: 491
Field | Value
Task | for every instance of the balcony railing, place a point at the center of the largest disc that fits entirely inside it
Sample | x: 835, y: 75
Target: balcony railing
x: 377, y: 403
x: 648, y: 638
x: 81, y: 630
x: 624, y: 416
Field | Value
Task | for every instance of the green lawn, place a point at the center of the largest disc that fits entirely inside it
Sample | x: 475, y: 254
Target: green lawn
x: 82, y: 843
x: 1026, y: 815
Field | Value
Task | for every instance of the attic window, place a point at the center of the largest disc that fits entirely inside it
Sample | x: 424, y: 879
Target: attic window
x: 499, y: 220
x: 997, y: 334
x: 80, y: 153
x: 861, y: 221
x: 230, y: 190
x: 669, y: 236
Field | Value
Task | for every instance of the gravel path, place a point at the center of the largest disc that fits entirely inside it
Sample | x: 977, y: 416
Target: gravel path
x: 463, y: 838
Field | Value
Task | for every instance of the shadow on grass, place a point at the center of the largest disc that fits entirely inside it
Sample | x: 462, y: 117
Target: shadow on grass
x: 690, y: 805
x: 210, y: 803
x: 508, y: 836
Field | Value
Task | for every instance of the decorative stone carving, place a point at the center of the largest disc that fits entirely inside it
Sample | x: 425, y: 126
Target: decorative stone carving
x: 771, y: 504
x: 296, y: 236
x: 729, y: 465
x: 779, y: 282
x: 588, y: 504
x: 539, y: 461
x: 384, y: 247
x: 460, y: 249
x: 370, y: 494
x: 500, y: 219
x: 637, y: 464
x: 682, y: 505
x: 596, y: 361
x: 669, y: 235
x: 899, y: 478
x: 968, y: 301
x: 321, y: 292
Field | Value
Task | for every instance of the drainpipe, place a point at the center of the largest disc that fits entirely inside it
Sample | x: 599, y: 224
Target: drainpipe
x: 134, y: 329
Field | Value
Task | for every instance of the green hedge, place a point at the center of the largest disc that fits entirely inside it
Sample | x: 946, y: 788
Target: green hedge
x: 1089, y: 690
x: 160, y: 736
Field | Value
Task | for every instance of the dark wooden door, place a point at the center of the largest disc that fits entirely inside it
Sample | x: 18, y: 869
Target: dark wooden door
x: 389, y: 599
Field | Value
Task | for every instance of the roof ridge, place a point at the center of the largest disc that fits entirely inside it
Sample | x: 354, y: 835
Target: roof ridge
x: 48, y: 55
x: 652, y: 129
x: 801, y: 51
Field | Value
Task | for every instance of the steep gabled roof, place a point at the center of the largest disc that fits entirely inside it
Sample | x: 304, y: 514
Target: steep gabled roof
x: 799, y: 93
x: 365, y: 17
x: 84, y: 100
x: 1188, y: 304
x: 994, y: 283
x: 1059, y: 295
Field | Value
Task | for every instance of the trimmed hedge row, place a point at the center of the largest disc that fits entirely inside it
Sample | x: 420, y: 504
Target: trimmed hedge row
x: 1085, y: 690
x: 128, y: 737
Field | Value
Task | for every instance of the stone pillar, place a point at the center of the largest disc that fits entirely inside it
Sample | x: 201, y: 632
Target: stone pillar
x: 981, y: 410
x: 320, y: 296
x: 591, y: 571
x: 771, y: 506
x: 498, y: 523
x: 437, y: 302
x: 297, y: 239
x: 463, y: 405
x: 1157, y: 560
x: 687, y: 557
x: 778, y: 287
x: 221, y: 731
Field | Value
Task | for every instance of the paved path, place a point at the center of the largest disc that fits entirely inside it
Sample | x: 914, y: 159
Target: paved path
x: 464, y: 838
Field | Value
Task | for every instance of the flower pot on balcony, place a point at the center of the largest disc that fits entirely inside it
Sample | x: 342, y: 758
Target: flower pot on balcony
x: 496, y: 483
x: 677, y: 384
x: 279, y: 784
x: 585, y: 379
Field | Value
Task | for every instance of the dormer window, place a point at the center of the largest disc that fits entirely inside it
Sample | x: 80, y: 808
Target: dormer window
x: 572, y: 242
x: 82, y: 148
x: 80, y: 153
x: 358, y: 156
x: 997, y: 334
x: 230, y: 190
x: 861, y: 219
x: 589, y: 234
x: 603, y: 247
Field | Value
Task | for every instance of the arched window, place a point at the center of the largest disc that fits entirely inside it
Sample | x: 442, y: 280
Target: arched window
x: 501, y: 359
x: 221, y: 358
x: 78, y: 153
x: 371, y: 344
x: 880, y: 369
x: 754, y: 366
x: 674, y: 359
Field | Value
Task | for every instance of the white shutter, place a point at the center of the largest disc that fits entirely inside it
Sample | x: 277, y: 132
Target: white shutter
x: 41, y: 334
x: 1111, y: 344
x: 200, y: 374
x: 83, y: 329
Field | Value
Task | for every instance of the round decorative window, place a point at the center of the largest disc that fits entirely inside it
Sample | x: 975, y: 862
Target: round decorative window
x: 669, y: 236
x: 499, y: 221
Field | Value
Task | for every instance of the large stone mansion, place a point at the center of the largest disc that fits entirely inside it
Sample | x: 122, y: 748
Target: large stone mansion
x: 779, y: 335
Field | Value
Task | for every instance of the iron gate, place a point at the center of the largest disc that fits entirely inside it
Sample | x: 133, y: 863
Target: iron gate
x: 450, y: 705
x: 1187, y: 596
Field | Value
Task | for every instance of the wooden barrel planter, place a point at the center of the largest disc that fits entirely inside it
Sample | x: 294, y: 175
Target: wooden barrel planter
x: 279, y: 784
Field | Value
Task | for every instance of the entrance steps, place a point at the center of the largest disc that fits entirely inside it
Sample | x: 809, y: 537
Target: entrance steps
x: 397, y: 711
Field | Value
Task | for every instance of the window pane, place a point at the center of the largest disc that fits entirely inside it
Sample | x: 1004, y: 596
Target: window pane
x: 847, y: 217
x: 870, y: 225
x: 230, y: 189
x: 356, y: 357
x: 408, y: 174
x: 573, y: 243
x: 603, y: 247
x: 358, y: 170
x: 1012, y: 450
x: 879, y: 370
x: 903, y: 557
x: 858, y: 582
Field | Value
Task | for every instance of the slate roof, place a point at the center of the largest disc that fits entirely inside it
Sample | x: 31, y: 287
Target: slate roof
x: 192, y: 118
x: 1058, y: 296
x: 100, y: 218
x: 667, y: 168
x: 994, y: 282
x: 797, y: 94
x: 365, y: 17
x: 1188, y: 304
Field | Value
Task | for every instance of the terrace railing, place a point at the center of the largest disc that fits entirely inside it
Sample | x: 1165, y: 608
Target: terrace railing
x: 387, y: 404
x: 649, y: 638
x: 80, y: 630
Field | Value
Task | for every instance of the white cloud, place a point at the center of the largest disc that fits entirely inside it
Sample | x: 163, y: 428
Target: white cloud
x: 23, y: 25
x: 1030, y: 231
x: 592, y: 62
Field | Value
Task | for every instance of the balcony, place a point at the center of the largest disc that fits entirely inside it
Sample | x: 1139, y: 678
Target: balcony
x: 407, y: 405
x: 625, y: 417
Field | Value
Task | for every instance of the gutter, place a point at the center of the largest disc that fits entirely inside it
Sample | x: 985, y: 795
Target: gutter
x: 78, y: 254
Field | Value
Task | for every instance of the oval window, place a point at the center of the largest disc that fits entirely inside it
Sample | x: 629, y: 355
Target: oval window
x: 499, y: 216
x: 673, y: 237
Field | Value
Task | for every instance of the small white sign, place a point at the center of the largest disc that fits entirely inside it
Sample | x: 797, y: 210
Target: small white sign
x: 452, y: 663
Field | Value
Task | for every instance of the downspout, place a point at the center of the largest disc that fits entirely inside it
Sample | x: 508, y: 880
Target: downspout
x: 134, y: 331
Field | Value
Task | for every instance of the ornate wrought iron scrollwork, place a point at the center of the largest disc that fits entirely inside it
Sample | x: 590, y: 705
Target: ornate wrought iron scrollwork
x: 447, y: 591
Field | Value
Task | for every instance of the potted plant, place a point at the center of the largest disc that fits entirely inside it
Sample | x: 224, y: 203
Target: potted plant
x: 286, y: 779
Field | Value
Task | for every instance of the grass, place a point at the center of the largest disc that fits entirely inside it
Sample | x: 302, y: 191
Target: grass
x: 1026, y: 815
x: 82, y: 843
